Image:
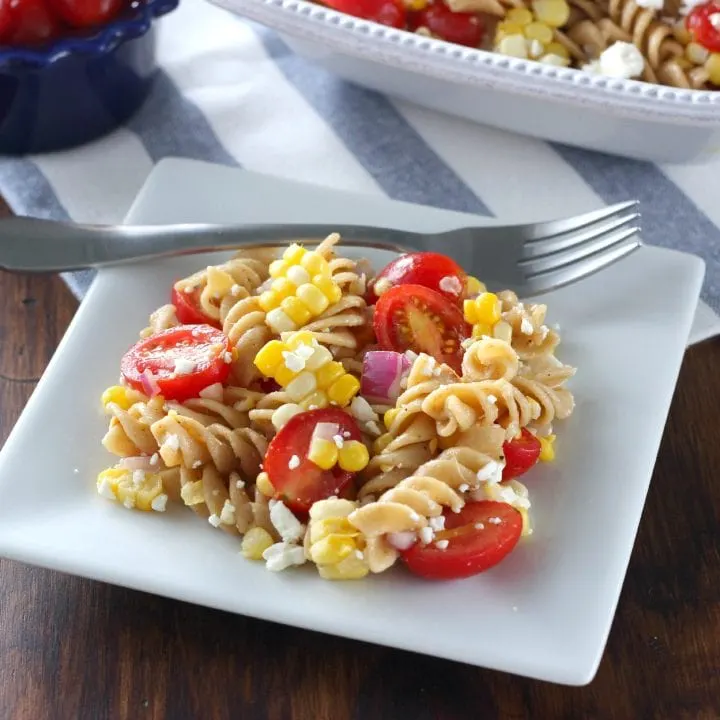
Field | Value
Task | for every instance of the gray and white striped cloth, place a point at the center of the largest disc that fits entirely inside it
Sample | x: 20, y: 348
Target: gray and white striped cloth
x: 232, y: 93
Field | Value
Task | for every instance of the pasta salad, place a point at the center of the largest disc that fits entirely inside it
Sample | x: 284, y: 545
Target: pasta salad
x: 322, y: 414
x: 674, y: 43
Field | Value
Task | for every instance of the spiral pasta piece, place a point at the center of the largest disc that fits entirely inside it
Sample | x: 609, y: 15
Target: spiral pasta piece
x: 523, y: 326
x: 232, y: 408
x: 130, y: 432
x: 498, y: 8
x: 490, y: 359
x: 163, y: 318
x: 553, y: 402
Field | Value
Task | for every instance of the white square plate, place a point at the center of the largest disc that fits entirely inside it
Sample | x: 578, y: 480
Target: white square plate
x: 545, y: 612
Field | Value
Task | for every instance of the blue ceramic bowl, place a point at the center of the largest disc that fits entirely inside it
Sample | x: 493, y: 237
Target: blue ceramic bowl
x: 77, y: 88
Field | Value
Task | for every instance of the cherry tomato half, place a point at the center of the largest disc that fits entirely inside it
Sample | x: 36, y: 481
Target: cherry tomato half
x: 521, y: 454
x: 201, y: 347
x: 86, y: 13
x: 29, y: 22
x: 413, y: 317
x: 702, y: 23
x: 301, y: 486
x: 462, y: 28
x: 188, y: 310
x: 385, y: 12
x: 479, y: 536
x: 7, y: 20
x: 432, y: 270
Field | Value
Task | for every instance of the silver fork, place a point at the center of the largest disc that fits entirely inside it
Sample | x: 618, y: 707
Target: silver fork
x: 530, y: 259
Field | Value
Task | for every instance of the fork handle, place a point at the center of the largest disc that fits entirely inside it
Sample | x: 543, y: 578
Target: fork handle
x: 35, y: 245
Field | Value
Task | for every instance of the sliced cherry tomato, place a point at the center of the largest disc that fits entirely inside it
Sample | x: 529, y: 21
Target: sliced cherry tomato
x: 299, y: 486
x: 385, y: 12
x: 87, y: 13
x: 30, y: 22
x: 479, y: 536
x: 188, y: 310
x: 201, y: 347
x: 7, y: 20
x: 432, y: 270
x: 463, y: 28
x: 703, y: 24
x: 413, y: 317
x: 521, y: 454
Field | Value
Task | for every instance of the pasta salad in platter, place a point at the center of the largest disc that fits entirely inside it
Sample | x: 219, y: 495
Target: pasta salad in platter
x: 324, y: 415
x: 670, y: 42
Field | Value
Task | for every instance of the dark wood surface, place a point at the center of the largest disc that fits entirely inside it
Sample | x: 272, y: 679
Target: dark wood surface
x: 75, y: 649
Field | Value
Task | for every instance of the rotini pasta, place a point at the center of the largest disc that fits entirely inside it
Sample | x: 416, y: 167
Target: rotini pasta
x: 272, y: 401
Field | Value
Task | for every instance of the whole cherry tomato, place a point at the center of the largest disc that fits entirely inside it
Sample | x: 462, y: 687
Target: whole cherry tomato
x: 703, y: 23
x: 87, y: 13
x: 385, y: 12
x: 28, y: 22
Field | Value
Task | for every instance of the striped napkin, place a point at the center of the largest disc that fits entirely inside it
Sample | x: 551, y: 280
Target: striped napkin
x: 231, y: 92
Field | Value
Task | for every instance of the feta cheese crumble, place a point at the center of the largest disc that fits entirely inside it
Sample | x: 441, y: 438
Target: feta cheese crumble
x: 172, y: 442
x: 159, y: 502
x: 288, y: 526
x: 442, y: 544
x: 621, y: 60
x: 450, y: 284
x: 427, y: 534
x: 214, y: 520
x: 280, y: 556
x: 294, y: 462
x: 183, y: 366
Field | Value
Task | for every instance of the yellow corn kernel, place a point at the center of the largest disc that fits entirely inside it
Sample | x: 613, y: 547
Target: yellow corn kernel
x: 283, y: 287
x: 351, y: 568
x: 323, y: 453
x: 416, y: 5
x: 381, y: 443
x: 331, y: 526
x: 313, y: 298
x: 294, y: 254
x: 389, y: 417
x: 475, y: 286
x: 296, y: 339
x: 510, y: 28
x: 121, y: 396
x: 302, y: 386
x: 281, y: 416
x: 107, y: 482
x: 147, y: 491
x: 263, y: 484
x: 519, y: 16
x: 487, y: 308
x: 278, y: 268
x: 353, y: 456
x: 526, y: 524
x: 328, y: 374
x: 470, y: 311
x: 480, y: 329
x: 696, y: 54
x: 315, y: 264
x: 296, y: 310
x: 556, y: 48
x: 255, y: 542
x: 343, y: 390
x: 269, y: 300
x: 331, y: 549
x: 554, y: 13
x: 328, y: 287
x: 513, y: 46
x: 269, y: 357
x: 284, y: 375
x: 547, y: 448
x: 278, y: 321
x: 539, y: 31
x: 315, y: 400
x: 193, y: 493
x: 502, y: 331
x: 712, y: 65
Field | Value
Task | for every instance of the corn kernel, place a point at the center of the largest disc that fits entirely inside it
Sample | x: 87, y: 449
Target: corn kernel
x: 321, y: 356
x: 278, y: 321
x: 342, y: 391
x: 284, y: 375
x: 331, y: 549
x: 298, y: 275
x: 328, y: 287
x: 323, y: 453
x: 281, y: 416
x: 555, y: 60
x: 474, y: 286
x: 193, y: 493
x: 556, y: 48
x: 470, y: 311
x: 296, y: 310
x: 255, y: 542
x: 313, y: 299
x: 296, y: 339
x: 121, y: 396
x: 547, y: 448
x: 283, y: 287
x: 269, y: 300
x: 480, y: 330
x: 712, y: 65
x: 147, y: 491
x: 331, y: 526
x: 315, y: 264
x: 314, y: 401
x: 353, y: 456
x: 328, y: 374
x: 278, y: 268
x: 551, y: 12
x: 416, y: 5
x: 509, y: 28
x: 294, y: 254
x: 526, y: 524
x: 263, y: 484
x: 351, y: 568
x: 502, y: 331
x: 390, y: 416
x: 301, y: 386
x: 487, y: 308
x: 539, y: 31
x: 520, y: 16
x: 269, y: 357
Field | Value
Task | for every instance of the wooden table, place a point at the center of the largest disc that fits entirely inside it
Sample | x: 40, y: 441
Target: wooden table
x: 75, y: 649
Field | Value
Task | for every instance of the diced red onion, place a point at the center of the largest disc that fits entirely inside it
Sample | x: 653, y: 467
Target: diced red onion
x: 139, y: 462
x: 149, y: 383
x: 382, y: 373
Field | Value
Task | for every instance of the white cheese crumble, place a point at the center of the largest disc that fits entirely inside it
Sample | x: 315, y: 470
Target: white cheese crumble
x: 492, y: 399
x: 450, y: 284
x: 287, y: 525
x: 463, y: 488
x: 280, y: 556
x: 494, y: 520
x: 294, y: 462
x: 159, y: 502
x: 650, y: 4
x: 154, y: 459
x: 235, y: 290
x: 621, y: 60
x: 414, y: 516
x: 105, y: 489
x: 359, y: 554
x: 227, y: 357
x: 442, y: 544
x: 129, y: 503
x: 138, y: 477
x: 714, y: 19
x: 346, y: 434
x: 526, y: 327
x: 437, y: 523
x: 427, y: 534
x: 227, y: 514
x: 338, y: 440
x: 402, y: 540
x: 214, y: 520
x: 535, y: 48
x: 293, y: 361
x: 491, y: 473
x: 479, y: 526
x: 172, y: 442
x: 430, y: 366
x: 239, y: 484
x: 183, y: 366
x: 197, y: 464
